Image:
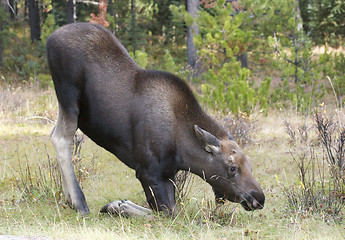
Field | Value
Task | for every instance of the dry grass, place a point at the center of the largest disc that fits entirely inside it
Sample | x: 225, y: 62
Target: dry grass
x: 24, y: 138
x: 327, y: 49
x: 26, y: 111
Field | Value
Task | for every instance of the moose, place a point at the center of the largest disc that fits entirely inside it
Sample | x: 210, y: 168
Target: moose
x: 148, y: 119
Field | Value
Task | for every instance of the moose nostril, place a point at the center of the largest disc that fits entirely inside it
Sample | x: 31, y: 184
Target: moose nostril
x: 257, y: 205
x: 258, y: 200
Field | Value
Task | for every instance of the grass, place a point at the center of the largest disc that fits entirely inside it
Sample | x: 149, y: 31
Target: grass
x: 26, y: 119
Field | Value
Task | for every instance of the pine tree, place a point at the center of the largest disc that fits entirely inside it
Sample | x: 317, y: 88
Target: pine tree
x: 221, y: 40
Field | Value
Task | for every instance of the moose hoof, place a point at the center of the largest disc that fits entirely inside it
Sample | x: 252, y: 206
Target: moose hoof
x: 83, y: 210
x: 126, y: 208
x: 112, y: 207
x: 81, y: 207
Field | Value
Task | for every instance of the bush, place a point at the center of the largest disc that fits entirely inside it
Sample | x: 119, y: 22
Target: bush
x: 43, y: 182
x: 38, y: 183
x: 230, y: 89
x: 48, y: 28
x: 140, y: 56
x: 324, y: 19
x: 332, y: 65
x: 300, y: 73
x: 239, y: 126
x: 332, y: 137
x: 321, y: 185
x: 222, y: 40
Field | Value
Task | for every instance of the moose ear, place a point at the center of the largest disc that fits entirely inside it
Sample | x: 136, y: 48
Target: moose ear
x: 211, y: 143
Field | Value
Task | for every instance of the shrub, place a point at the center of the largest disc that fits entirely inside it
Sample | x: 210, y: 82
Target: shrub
x: 43, y: 182
x: 333, y: 66
x: 300, y: 72
x: 321, y: 185
x: 231, y: 90
x: 48, y: 28
x: 39, y: 182
x: 140, y: 56
x: 239, y: 126
x: 220, y: 42
x: 332, y: 137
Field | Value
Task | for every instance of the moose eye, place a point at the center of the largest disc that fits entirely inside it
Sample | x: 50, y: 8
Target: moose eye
x: 233, y: 171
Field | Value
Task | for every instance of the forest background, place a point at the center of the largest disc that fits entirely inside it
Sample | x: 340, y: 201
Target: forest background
x: 245, y: 54
x: 272, y: 72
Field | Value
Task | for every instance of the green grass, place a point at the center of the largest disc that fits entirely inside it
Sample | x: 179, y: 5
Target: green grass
x: 25, y: 125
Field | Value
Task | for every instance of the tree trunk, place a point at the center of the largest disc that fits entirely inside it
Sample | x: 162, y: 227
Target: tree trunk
x: 34, y: 20
x: 133, y: 31
x: 299, y: 16
x: 192, y: 8
x: 111, y: 8
x: 192, y: 57
x: 243, y: 58
x: 70, y: 11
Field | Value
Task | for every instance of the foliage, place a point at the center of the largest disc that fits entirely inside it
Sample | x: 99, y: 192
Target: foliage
x: 25, y: 61
x: 140, y: 57
x: 231, y: 90
x: 332, y: 65
x: 154, y: 31
x: 332, y: 137
x: 40, y: 184
x: 264, y: 19
x: 320, y: 188
x: 127, y: 22
x: 170, y: 64
x: 43, y: 182
x: 324, y: 19
x: 225, y: 35
x: 48, y: 28
x: 220, y: 42
x: 3, y: 31
x: 300, y: 73
x: 280, y: 45
x: 43, y: 80
x: 239, y: 126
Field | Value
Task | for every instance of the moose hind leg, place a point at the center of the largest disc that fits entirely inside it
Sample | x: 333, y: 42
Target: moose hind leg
x: 62, y: 139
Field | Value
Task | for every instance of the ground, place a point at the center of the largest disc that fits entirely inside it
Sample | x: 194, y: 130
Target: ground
x: 31, y: 204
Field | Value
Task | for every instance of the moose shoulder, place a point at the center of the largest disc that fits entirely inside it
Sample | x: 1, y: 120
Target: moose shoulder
x: 149, y: 119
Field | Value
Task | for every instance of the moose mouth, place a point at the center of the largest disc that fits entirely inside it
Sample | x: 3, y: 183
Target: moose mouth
x: 247, y: 205
x: 250, y: 203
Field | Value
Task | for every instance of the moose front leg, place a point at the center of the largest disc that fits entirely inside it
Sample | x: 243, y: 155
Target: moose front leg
x: 160, y: 193
x: 127, y: 208
x: 154, y: 198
